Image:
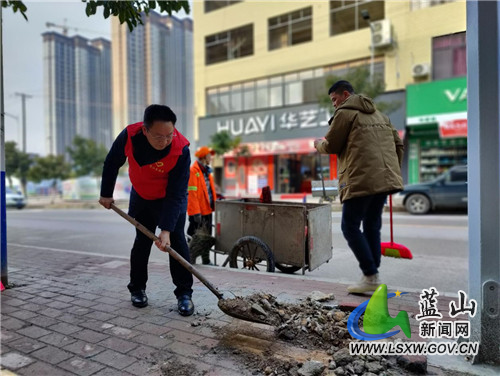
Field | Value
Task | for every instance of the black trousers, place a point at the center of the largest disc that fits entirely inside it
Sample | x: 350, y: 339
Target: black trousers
x: 364, y: 244
x: 206, y: 222
x: 147, y: 212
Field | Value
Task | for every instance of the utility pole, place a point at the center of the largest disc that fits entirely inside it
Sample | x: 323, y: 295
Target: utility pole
x: 23, y: 100
x: 3, y: 213
x: 483, y: 150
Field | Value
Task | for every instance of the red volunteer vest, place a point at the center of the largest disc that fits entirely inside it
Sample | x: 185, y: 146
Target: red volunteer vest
x: 150, y: 181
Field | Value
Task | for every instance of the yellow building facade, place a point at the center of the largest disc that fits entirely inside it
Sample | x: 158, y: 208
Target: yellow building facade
x: 298, y: 44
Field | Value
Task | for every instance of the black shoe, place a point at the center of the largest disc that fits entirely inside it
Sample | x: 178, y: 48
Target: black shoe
x: 139, y: 298
x: 185, y: 305
x: 208, y: 263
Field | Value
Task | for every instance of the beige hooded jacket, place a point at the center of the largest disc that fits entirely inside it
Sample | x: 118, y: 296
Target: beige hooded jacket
x: 369, y: 149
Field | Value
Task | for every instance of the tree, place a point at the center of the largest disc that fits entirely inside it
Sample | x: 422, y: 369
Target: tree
x: 360, y: 79
x: 17, y: 163
x: 222, y: 142
x: 49, y: 167
x: 130, y: 12
x: 11, y: 160
x: 87, y: 156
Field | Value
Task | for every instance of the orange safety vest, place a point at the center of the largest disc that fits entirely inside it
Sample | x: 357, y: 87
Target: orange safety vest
x: 198, y: 199
x: 150, y: 181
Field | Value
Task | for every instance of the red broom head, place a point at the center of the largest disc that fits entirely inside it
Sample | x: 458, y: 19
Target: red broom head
x: 395, y: 250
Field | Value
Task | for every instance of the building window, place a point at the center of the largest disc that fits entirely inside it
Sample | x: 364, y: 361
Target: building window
x: 224, y: 99
x: 345, y: 15
x: 420, y: 4
x: 283, y: 90
x: 249, y: 96
x: 262, y: 92
x: 236, y: 98
x: 290, y: 29
x: 211, y: 5
x: 293, y: 89
x: 449, y: 56
x: 229, y: 45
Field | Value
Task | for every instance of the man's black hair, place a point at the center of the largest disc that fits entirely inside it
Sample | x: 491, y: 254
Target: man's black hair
x: 158, y: 112
x: 340, y: 86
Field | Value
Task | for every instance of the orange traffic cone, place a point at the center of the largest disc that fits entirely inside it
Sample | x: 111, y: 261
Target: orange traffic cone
x: 2, y: 287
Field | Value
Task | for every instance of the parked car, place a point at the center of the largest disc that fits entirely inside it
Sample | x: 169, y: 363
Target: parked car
x: 14, y: 199
x: 447, y: 191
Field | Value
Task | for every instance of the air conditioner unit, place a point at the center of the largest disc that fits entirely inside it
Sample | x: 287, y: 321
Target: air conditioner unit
x: 381, y: 33
x: 421, y: 70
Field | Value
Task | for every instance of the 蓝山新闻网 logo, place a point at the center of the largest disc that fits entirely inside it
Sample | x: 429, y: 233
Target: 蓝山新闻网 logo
x: 377, y: 322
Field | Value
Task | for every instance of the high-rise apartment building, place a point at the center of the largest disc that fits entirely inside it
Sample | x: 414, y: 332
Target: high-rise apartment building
x: 77, y: 85
x: 153, y: 64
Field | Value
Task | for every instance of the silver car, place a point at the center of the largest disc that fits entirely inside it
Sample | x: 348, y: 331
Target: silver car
x: 14, y: 199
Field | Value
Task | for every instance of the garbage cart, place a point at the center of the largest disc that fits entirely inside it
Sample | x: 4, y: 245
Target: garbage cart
x: 259, y: 236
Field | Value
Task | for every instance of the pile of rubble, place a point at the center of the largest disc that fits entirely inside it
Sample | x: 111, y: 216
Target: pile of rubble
x: 313, y: 325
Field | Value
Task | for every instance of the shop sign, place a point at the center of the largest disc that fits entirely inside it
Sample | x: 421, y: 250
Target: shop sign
x: 437, y: 101
x: 265, y: 123
x: 453, y: 128
x: 291, y: 146
x: 306, y: 120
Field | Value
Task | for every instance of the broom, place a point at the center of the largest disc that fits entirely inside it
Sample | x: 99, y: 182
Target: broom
x: 200, y: 243
x: 391, y: 249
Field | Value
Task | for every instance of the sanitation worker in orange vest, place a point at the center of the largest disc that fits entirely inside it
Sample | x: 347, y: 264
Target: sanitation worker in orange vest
x: 158, y: 158
x: 201, y: 197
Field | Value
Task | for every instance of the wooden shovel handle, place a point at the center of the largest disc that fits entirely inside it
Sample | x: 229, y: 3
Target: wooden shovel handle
x: 170, y: 250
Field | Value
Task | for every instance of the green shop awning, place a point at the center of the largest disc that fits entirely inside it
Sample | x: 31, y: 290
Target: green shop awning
x: 441, y: 102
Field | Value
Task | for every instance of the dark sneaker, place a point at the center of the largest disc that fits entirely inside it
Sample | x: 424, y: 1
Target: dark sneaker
x: 139, y: 298
x: 185, y: 305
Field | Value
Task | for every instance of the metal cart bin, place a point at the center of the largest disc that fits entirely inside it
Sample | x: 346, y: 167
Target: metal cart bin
x: 295, y: 235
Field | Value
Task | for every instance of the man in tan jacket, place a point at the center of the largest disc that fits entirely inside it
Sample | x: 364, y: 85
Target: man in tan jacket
x: 370, y: 154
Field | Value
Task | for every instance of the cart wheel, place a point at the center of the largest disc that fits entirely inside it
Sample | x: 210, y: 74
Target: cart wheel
x: 255, y: 253
x: 289, y: 269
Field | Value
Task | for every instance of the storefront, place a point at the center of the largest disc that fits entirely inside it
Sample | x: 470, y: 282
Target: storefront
x: 281, y: 149
x: 436, y: 128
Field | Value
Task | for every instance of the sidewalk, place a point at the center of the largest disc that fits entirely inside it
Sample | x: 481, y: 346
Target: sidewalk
x: 68, y: 313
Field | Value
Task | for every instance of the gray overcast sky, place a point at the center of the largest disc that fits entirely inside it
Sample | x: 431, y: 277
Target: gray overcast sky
x: 23, y: 64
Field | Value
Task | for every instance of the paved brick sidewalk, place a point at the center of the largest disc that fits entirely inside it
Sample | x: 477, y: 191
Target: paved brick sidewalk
x: 70, y: 313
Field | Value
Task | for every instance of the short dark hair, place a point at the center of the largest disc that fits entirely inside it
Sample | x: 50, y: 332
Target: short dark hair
x: 157, y: 112
x: 340, y: 86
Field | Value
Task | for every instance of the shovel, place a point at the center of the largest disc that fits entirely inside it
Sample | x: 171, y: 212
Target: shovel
x: 392, y: 249
x: 222, y: 303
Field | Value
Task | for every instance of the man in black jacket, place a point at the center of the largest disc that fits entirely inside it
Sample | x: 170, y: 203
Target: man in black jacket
x: 158, y: 156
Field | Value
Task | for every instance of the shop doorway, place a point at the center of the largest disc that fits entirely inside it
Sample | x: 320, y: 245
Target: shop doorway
x: 295, y: 172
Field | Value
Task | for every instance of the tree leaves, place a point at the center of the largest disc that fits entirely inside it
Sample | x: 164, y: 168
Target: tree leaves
x: 222, y: 142
x: 17, y: 163
x: 49, y: 167
x: 359, y: 77
x: 87, y: 156
x: 17, y: 6
x: 131, y: 12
